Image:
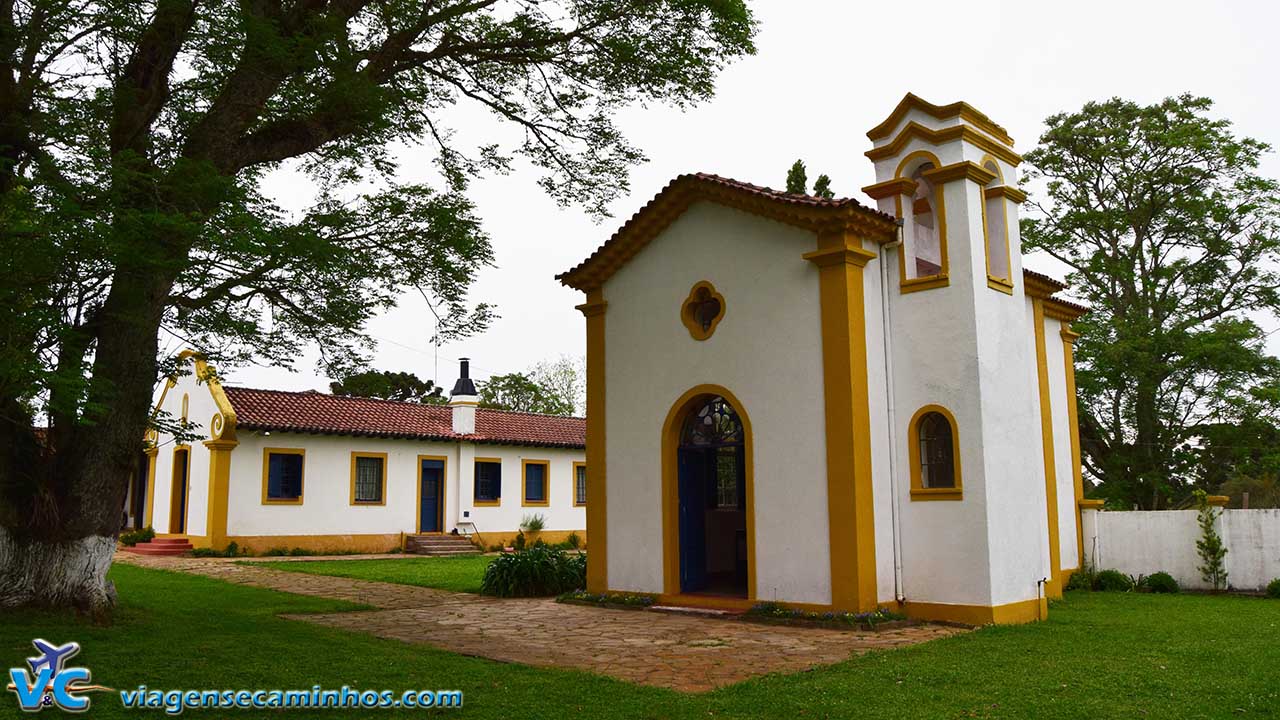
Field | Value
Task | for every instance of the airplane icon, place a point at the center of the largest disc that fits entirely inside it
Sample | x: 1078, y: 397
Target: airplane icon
x: 52, y: 656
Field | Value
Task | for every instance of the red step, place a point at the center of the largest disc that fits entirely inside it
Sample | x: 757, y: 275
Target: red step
x: 162, y: 546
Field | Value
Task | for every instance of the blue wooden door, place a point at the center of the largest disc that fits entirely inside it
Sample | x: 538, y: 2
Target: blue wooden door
x: 693, y: 520
x: 432, y: 486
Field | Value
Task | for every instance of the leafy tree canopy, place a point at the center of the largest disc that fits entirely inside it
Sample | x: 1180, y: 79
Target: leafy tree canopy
x: 134, y: 140
x: 522, y: 393
x: 1171, y: 235
x: 387, y: 385
x: 797, y: 179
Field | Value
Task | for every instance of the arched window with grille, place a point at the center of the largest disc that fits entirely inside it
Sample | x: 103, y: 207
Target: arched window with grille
x: 934, y: 447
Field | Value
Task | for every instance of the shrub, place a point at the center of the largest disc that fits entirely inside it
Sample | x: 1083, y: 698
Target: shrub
x: 536, y: 572
x: 1159, y: 582
x: 533, y: 523
x: 276, y: 552
x: 1082, y: 580
x: 519, y: 542
x: 133, y: 537
x: 574, y: 541
x: 1210, y: 547
x: 299, y: 552
x: 1113, y: 581
x: 1273, y: 589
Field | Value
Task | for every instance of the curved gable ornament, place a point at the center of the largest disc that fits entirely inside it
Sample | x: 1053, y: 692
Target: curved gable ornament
x: 702, y: 310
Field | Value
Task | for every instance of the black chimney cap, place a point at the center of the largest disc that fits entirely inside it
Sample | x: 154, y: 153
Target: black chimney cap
x: 464, y: 386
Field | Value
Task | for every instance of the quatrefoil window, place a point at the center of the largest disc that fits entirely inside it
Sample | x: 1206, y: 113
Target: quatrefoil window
x: 702, y: 310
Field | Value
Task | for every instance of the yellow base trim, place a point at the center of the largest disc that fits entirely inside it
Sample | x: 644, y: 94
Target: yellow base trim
x: 1012, y: 614
x: 259, y: 544
x: 551, y: 537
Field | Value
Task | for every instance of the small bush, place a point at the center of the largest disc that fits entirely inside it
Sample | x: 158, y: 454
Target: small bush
x: 1159, y: 582
x: 1082, y: 580
x: 1113, y: 581
x: 519, y: 542
x: 533, y: 523
x: 299, y: 552
x: 574, y: 541
x: 276, y: 552
x: 205, y: 553
x: 1273, y: 589
x: 133, y: 537
x: 536, y: 572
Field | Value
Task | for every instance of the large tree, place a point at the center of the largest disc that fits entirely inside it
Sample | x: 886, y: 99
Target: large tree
x: 522, y: 393
x: 134, y: 141
x: 389, y: 385
x: 1172, y: 236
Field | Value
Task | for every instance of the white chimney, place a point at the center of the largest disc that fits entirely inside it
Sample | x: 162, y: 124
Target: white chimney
x: 463, y: 401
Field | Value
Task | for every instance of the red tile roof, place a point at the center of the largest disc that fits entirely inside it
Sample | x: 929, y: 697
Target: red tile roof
x: 322, y: 414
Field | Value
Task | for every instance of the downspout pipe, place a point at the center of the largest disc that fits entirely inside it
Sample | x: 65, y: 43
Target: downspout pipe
x: 891, y: 413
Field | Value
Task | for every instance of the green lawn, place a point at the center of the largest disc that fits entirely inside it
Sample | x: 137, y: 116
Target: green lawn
x: 460, y: 574
x: 1099, y: 656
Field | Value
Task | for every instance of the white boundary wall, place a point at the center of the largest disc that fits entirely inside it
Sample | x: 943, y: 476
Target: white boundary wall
x: 1144, y: 542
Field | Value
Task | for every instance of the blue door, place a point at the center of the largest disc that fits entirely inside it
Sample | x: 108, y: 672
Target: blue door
x: 693, y: 468
x: 429, y: 512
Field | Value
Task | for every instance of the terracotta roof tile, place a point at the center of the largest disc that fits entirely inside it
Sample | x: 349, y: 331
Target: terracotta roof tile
x: 319, y: 413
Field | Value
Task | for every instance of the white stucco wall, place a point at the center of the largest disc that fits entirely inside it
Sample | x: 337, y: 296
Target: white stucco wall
x: 766, y: 351
x: 969, y: 348
x: 326, y: 508
x: 1143, y: 542
x: 200, y: 410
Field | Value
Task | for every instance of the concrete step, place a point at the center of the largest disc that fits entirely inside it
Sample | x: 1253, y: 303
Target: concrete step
x: 439, y: 545
x: 168, y: 541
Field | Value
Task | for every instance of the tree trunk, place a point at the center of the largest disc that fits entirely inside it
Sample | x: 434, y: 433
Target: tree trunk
x: 62, y: 508
x: 70, y: 573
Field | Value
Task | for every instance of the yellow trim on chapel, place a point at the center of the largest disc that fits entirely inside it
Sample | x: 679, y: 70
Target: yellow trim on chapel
x: 546, y: 483
x: 687, y: 309
x: 1053, y: 584
x: 266, y: 472
x: 151, y: 453
x: 960, y: 109
x: 918, y: 490
x: 851, y: 516
x: 671, y: 485
x: 597, y: 487
x: 382, y: 496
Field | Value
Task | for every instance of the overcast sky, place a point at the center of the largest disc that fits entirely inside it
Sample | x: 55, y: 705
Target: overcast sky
x: 824, y: 73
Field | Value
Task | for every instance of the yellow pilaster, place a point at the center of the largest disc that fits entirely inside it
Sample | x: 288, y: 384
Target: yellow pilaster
x: 850, y: 515
x: 597, y: 516
x: 219, y: 489
x: 1053, y: 586
x: 151, y: 452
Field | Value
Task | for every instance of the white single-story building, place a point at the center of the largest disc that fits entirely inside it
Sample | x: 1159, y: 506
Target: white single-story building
x: 324, y: 472
x: 815, y: 402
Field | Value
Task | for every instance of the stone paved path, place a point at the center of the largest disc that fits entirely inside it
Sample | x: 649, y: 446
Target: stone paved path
x: 687, y: 653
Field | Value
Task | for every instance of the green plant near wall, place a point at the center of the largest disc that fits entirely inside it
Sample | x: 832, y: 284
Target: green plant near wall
x: 1210, y: 547
x: 533, y: 523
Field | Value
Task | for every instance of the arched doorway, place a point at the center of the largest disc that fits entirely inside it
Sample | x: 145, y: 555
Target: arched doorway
x: 708, y: 486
